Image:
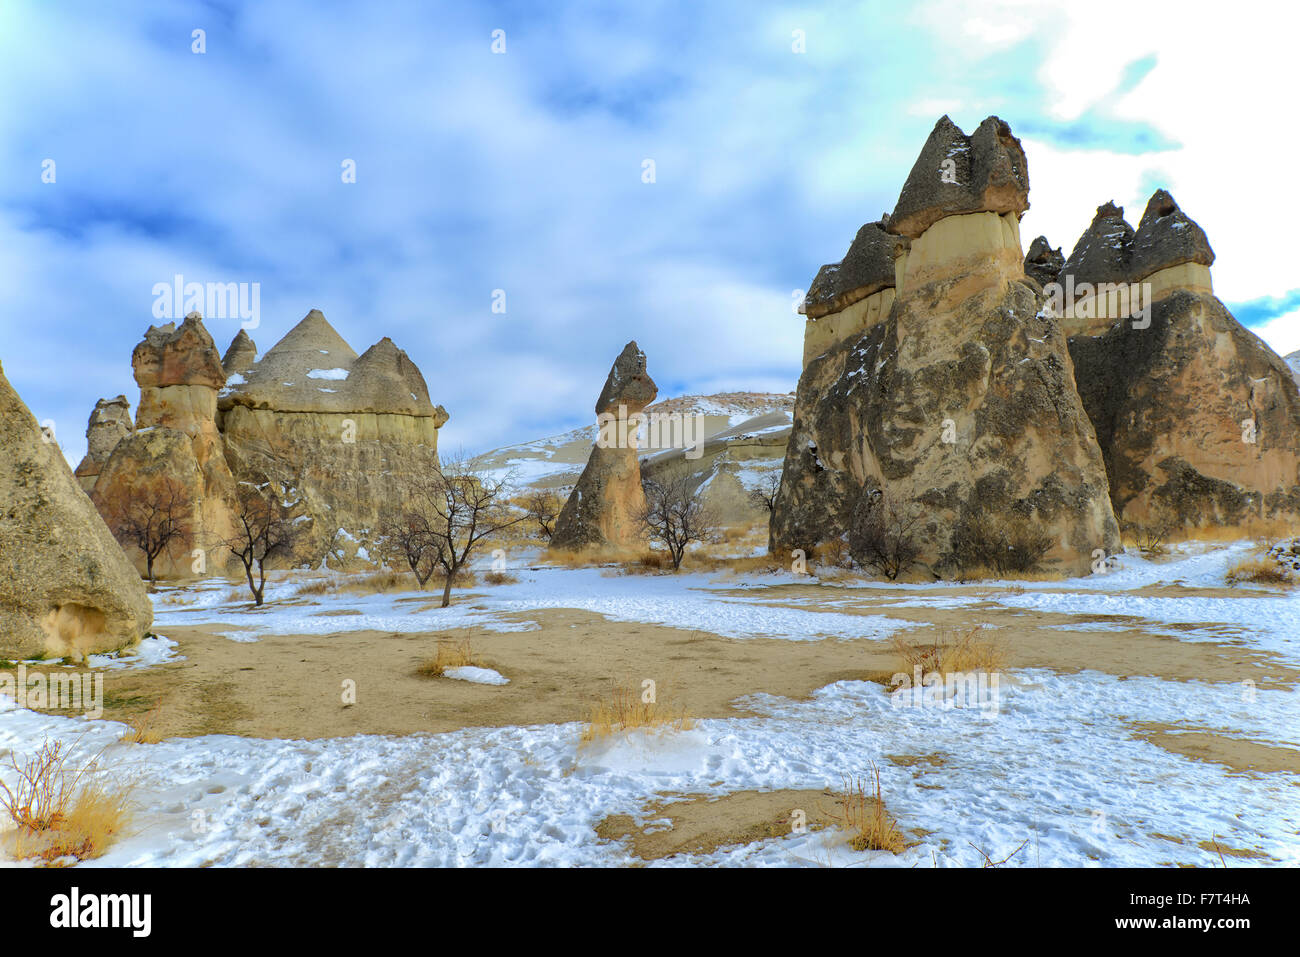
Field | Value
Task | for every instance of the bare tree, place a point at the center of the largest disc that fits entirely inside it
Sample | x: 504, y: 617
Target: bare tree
x: 882, y: 536
x: 151, y: 516
x: 763, y: 495
x: 266, y: 529
x: 674, y: 514
x: 455, y: 508
x: 543, y: 507
x: 408, y: 538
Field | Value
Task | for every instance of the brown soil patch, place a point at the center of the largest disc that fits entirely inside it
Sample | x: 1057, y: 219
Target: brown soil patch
x: 1235, y: 753
x: 700, y: 823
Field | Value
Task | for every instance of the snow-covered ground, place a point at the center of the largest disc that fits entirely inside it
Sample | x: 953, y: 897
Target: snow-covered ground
x: 1058, y: 764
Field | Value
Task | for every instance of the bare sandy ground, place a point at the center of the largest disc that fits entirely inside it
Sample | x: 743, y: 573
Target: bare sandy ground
x: 292, y: 686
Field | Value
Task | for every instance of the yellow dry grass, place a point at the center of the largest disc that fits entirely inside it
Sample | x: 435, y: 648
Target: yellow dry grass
x: 1258, y: 570
x: 144, y: 727
x: 953, y: 652
x: 625, y: 709
x: 450, y: 654
x: 863, y: 815
x: 61, y: 810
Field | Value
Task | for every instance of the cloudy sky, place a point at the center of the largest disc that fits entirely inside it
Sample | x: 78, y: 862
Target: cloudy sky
x: 522, y: 171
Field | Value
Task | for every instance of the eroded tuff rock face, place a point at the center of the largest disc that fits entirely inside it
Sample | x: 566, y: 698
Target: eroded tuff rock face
x: 176, y: 447
x: 1042, y: 262
x: 348, y: 432
x: 240, y: 355
x: 1198, y: 420
x: 110, y: 422
x: 956, y: 173
x: 66, y: 589
x: 601, y: 512
x: 1293, y: 360
x: 959, y: 402
x: 854, y: 294
x: 1167, y: 253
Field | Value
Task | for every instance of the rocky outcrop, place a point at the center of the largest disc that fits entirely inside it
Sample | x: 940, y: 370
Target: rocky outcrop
x: 1115, y: 272
x: 176, y: 448
x: 1042, y: 262
x: 1293, y: 360
x: 348, y: 432
x: 110, y: 422
x: 850, y: 296
x: 960, y: 403
x: 956, y: 174
x: 66, y: 589
x: 240, y: 355
x: 1198, y: 420
x: 601, y: 513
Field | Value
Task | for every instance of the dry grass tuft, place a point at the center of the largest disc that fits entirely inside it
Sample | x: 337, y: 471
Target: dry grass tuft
x: 144, y: 727
x: 1258, y: 570
x: 625, y: 710
x: 451, y: 654
x: 61, y: 811
x: 950, y: 653
x: 500, y: 578
x: 863, y: 815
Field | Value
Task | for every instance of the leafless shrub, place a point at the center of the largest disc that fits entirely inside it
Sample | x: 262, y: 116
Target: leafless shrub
x: 675, y: 515
x: 999, y: 543
x: 882, y: 537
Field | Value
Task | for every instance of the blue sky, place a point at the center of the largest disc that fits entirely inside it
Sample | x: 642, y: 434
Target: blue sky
x: 522, y: 171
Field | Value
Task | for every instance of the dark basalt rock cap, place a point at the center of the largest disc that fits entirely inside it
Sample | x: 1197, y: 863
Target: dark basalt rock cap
x: 628, y: 383
x: 866, y: 268
x: 988, y: 173
x: 1043, y: 263
x: 1167, y: 237
x: 1103, y: 252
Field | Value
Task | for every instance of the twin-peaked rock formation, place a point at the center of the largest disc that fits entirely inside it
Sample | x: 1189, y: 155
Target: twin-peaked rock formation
x: 341, y: 432
x: 603, y: 511
x: 351, y: 433
x: 66, y: 588
x: 1198, y: 419
x: 952, y: 391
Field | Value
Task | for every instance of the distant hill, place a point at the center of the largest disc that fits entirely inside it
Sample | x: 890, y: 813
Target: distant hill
x: 745, y: 436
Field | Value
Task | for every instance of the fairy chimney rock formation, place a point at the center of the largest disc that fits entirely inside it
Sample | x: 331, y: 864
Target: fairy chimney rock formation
x: 110, y: 422
x: 241, y: 354
x: 957, y: 174
x: 1198, y: 420
x: 602, y: 513
x: 958, y: 404
x: 1042, y: 262
x: 351, y: 433
x: 176, y: 448
x: 1115, y: 272
x: 852, y: 295
x: 66, y: 588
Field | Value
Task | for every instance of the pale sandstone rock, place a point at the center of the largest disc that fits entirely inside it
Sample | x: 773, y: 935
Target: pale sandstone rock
x: 1198, y: 420
x: 176, y: 437
x: 241, y: 354
x: 962, y: 351
x: 66, y: 589
x: 349, y: 433
x: 110, y: 422
x: 602, y: 511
